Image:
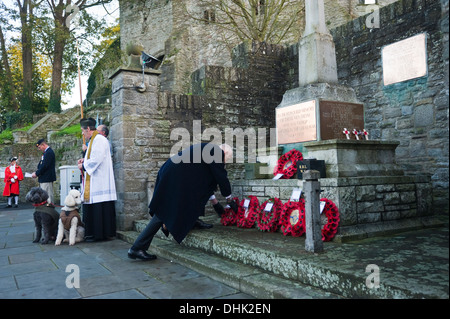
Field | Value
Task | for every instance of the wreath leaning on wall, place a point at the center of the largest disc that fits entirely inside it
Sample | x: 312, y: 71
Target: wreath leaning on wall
x: 332, y: 213
x: 287, y: 164
x: 268, y: 221
x: 293, y: 218
x: 247, y: 216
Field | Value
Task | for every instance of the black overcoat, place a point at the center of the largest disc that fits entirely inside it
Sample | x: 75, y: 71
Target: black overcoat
x: 46, y: 167
x: 184, y: 184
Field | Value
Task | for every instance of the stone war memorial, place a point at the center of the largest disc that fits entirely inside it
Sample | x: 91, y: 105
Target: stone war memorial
x: 366, y: 101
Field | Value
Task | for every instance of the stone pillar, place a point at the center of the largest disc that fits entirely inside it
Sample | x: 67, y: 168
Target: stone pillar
x: 134, y: 112
x: 317, y: 55
x: 311, y: 189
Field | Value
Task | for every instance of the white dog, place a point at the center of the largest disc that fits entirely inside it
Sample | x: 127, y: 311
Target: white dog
x: 70, y: 225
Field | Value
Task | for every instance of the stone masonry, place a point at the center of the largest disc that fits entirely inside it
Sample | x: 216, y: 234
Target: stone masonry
x: 415, y: 112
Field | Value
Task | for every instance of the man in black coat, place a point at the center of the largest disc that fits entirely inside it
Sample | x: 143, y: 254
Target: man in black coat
x: 183, y: 186
x: 46, y: 169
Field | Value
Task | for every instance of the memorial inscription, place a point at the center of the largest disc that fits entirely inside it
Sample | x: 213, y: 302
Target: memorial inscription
x: 405, y: 59
x: 336, y: 115
x: 297, y: 123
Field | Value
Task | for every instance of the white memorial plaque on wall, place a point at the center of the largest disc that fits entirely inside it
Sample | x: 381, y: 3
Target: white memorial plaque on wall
x: 405, y: 59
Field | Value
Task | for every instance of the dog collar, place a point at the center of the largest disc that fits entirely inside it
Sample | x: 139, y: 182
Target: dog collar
x: 40, y: 204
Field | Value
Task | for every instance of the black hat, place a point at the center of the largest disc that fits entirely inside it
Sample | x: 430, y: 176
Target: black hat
x: 13, y: 159
x: 90, y: 122
x: 40, y: 142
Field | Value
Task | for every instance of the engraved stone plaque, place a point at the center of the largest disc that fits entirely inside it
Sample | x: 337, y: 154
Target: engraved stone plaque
x: 335, y: 115
x: 296, y: 123
x: 405, y: 60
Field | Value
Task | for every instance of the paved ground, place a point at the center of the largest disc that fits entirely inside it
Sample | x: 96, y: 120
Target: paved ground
x: 30, y: 271
x: 415, y: 260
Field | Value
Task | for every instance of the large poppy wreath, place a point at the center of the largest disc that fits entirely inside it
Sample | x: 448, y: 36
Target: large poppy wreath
x: 229, y: 218
x: 293, y: 218
x: 332, y: 213
x: 247, y: 216
x: 269, y: 220
x: 287, y: 164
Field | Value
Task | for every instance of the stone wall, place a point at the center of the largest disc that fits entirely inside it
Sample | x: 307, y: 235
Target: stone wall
x: 414, y: 112
x: 165, y: 28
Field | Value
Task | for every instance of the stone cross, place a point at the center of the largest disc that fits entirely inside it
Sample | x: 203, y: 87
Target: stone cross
x: 317, y: 55
x: 315, y: 17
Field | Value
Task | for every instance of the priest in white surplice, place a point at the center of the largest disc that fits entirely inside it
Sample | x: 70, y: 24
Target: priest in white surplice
x: 98, y: 187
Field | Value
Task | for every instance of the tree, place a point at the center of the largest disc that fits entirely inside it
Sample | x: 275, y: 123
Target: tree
x: 8, y: 93
x: 26, y: 19
x: 258, y: 20
x: 62, y: 12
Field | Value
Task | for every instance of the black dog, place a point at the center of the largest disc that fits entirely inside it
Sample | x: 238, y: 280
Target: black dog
x: 45, y: 216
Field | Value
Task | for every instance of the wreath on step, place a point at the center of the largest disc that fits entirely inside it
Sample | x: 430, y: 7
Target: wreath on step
x: 332, y: 213
x: 268, y: 220
x: 287, y: 164
x: 229, y: 218
x: 247, y: 216
x: 293, y: 218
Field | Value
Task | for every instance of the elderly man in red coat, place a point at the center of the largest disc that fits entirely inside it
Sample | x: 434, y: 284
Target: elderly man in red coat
x: 13, y: 175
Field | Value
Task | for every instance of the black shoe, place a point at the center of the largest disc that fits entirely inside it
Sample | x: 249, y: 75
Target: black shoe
x: 9, y: 206
x: 200, y: 224
x: 89, y: 239
x: 15, y: 206
x: 140, y: 254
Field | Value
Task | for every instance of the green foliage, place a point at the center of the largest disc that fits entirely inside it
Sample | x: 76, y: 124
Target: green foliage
x: 6, y: 135
x: 71, y: 130
x: 111, y: 60
x: 16, y: 120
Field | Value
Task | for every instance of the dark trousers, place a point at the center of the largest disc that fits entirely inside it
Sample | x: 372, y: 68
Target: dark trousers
x: 145, y: 238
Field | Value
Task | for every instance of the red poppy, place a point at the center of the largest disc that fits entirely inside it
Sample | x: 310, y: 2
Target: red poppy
x: 287, y: 164
x: 293, y: 218
x: 229, y: 218
x: 247, y: 216
x: 269, y: 220
x: 332, y: 213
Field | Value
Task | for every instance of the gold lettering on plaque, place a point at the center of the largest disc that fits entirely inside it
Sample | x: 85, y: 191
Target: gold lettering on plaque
x: 405, y: 60
x: 296, y: 123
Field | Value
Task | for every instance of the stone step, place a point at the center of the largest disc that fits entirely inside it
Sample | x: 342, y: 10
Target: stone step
x: 270, y: 265
x: 245, y: 278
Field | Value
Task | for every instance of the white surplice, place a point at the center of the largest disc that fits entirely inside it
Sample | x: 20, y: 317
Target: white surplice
x: 99, y: 167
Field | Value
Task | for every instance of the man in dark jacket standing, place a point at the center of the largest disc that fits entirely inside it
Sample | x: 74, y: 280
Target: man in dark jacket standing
x: 46, y: 169
x: 183, y: 186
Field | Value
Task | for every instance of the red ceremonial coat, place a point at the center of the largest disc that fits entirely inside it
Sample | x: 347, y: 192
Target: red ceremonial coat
x: 12, y: 188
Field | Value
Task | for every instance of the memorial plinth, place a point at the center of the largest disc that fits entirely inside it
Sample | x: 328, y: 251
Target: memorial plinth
x: 352, y: 158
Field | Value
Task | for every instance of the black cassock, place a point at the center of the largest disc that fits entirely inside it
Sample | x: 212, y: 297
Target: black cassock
x: 185, y: 183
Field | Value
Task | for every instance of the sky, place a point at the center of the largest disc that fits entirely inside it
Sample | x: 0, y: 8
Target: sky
x: 73, y: 98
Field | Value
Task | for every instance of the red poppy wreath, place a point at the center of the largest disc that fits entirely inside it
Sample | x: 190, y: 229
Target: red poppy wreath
x: 287, y: 164
x: 229, y: 218
x: 247, y: 216
x: 332, y: 213
x: 268, y: 219
x: 293, y: 218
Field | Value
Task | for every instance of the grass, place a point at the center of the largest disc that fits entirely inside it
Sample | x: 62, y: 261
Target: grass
x: 71, y: 130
